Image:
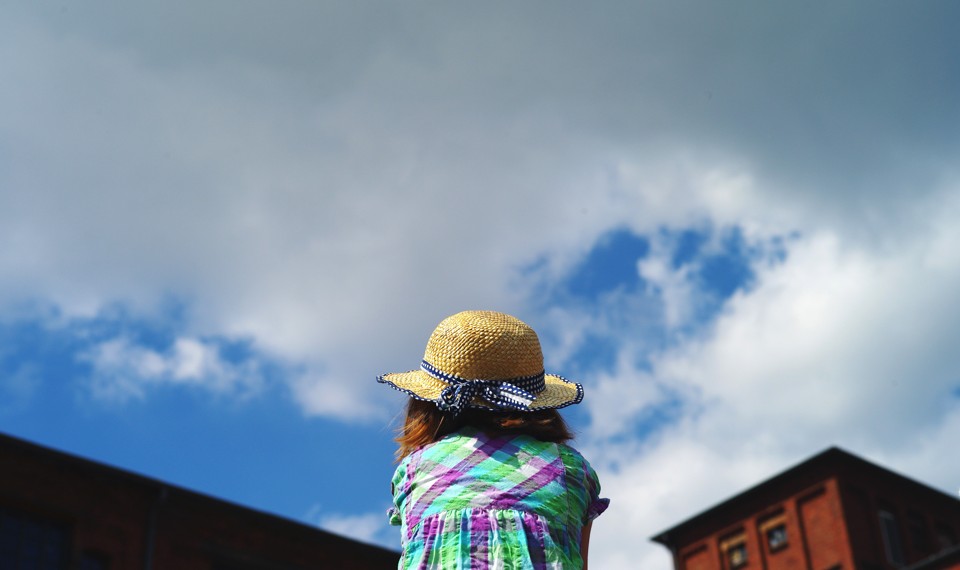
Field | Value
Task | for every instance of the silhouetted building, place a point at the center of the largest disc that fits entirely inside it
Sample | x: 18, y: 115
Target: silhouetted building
x: 58, y: 511
x: 834, y: 511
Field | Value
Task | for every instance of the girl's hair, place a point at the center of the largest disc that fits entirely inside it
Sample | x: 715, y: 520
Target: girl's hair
x: 425, y: 423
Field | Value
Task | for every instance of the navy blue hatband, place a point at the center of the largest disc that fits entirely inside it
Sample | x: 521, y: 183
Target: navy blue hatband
x: 510, y: 394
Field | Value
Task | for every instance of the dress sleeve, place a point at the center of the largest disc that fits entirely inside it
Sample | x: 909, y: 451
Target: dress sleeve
x: 398, y: 489
x: 595, y: 504
x: 584, y: 483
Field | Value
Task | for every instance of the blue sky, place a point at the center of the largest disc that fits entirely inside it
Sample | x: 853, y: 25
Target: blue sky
x: 733, y: 223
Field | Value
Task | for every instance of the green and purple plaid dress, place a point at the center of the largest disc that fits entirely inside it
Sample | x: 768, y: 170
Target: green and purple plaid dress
x: 470, y: 501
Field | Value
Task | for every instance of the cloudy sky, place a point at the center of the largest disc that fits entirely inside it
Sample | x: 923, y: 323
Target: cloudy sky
x: 734, y: 222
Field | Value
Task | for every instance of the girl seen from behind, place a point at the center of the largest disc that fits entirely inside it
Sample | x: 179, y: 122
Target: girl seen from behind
x: 486, y: 478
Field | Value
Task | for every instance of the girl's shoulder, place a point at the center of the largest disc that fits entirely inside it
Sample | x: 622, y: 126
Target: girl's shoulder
x: 571, y: 457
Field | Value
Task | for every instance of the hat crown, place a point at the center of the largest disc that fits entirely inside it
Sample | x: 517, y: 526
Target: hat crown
x: 485, y: 345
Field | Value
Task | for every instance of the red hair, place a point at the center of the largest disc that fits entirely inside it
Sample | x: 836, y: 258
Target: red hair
x: 426, y: 423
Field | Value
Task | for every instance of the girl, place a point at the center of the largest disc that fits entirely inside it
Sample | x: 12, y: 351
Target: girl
x: 485, y: 478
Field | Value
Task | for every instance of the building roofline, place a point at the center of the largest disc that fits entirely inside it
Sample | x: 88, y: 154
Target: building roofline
x: 158, y: 486
x: 831, y: 454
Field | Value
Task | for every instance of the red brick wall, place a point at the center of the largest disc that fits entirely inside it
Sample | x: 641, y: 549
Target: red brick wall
x: 792, y: 556
x: 102, y: 516
x: 699, y: 559
x: 823, y: 528
x: 829, y: 507
x: 109, y: 511
x: 813, y: 521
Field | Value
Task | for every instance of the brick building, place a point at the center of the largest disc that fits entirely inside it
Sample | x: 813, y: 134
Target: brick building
x: 834, y: 511
x: 58, y: 511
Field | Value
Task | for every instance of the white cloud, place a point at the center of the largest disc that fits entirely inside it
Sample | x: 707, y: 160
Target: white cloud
x: 365, y: 195
x: 371, y: 528
x: 672, y: 284
x: 362, y: 527
x: 637, y: 394
x: 333, y: 189
x: 836, y: 345
x: 122, y: 370
x: 339, y: 396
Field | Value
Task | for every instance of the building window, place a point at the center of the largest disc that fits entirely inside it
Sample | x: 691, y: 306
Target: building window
x: 31, y: 544
x: 891, y: 537
x: 737, y: 555
x: 734, y: 550
x: 919, y: 537
x: 774, y: 530
x: 945, y: 535
x: 777, y: 537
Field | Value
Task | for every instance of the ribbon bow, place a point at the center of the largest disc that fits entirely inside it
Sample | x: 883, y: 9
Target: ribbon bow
x: 499, y: 393
x: 454, y: 397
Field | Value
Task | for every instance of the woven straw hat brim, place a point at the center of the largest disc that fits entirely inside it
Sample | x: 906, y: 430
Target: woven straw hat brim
x: 558, y: 392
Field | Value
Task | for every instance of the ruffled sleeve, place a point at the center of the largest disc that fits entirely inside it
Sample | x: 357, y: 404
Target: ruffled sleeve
x: 595, y: 504
x: 584, y: 486
x: 393, y: 517
x: 398, y: 489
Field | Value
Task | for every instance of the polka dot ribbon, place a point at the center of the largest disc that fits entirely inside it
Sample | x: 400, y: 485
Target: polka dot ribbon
x: 510, y: 394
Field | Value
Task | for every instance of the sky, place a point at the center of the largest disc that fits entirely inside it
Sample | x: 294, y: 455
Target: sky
x: 733, y: 222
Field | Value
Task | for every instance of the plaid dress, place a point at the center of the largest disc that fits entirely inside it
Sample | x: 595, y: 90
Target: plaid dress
x: 470, y: 501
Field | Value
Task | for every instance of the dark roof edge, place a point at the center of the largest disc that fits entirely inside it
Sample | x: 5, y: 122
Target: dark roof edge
x: 831, y: 453
x: 159, y: 485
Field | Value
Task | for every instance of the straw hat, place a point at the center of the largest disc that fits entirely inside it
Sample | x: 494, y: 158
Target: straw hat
x: 484, y: 359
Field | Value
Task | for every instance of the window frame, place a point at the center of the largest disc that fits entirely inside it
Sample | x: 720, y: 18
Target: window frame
x: 892, y: 537
x: 736, y: 542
